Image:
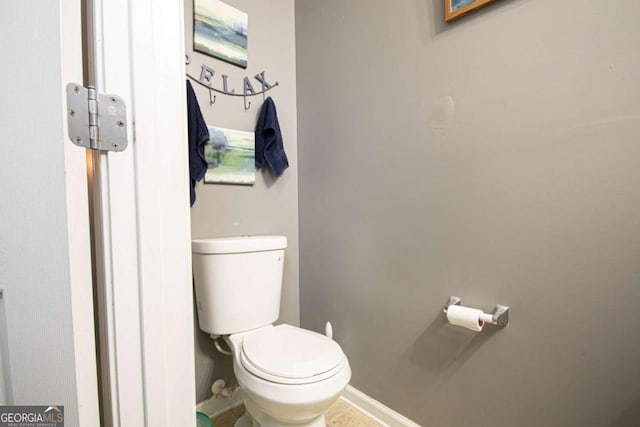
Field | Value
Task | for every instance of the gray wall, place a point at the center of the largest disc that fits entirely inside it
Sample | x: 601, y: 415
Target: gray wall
x: 270, y: 206
x: 496, y: 159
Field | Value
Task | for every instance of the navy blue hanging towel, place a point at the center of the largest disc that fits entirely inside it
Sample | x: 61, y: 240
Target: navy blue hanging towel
x: 198, y: 137
x: 269, y: 145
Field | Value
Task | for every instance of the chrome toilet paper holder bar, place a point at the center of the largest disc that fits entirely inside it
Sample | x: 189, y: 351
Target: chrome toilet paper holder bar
x: 500, y: 316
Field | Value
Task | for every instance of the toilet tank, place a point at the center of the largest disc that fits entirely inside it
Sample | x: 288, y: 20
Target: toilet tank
x: 238, y: 282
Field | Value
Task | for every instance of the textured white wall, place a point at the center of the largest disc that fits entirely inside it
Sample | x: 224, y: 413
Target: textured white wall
x: 34, y: 257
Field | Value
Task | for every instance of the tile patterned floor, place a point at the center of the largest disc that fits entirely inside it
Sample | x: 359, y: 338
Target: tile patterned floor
x: 340, y: 414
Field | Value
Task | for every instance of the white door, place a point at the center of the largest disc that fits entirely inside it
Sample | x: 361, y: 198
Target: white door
x: 141, y: 210
x: 46, y: 306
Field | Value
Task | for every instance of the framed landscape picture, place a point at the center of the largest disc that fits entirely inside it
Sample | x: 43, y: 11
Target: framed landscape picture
x: 454, y: 9
x: 220, y: 31
x: 230, y: 156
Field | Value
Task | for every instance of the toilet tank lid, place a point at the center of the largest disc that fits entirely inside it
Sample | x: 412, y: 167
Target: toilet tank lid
x: 238, y: 244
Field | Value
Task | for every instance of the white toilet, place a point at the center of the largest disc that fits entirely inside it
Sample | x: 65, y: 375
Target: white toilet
x: 290, y: 375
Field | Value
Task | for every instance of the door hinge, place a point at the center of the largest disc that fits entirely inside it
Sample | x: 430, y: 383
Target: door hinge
x: 96, y: 121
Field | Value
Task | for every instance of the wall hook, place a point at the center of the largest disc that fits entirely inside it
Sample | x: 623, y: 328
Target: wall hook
x: 211, y: 100
x: 246, y: 105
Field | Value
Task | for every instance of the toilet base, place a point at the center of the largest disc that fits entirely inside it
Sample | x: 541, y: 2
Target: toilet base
x: 263, y: 420
x: 245, y: 421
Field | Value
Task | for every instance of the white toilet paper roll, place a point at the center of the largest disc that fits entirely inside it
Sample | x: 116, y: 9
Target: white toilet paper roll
x: 466, y: 317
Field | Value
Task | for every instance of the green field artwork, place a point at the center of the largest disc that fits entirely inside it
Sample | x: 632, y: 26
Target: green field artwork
x: 220, y: 31
x: 231, y: 157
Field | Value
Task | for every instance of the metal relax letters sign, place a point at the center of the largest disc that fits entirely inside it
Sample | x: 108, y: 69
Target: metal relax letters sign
x: 207, y: 76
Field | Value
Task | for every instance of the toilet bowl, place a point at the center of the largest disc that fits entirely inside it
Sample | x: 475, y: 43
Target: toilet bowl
x: 290, y: 375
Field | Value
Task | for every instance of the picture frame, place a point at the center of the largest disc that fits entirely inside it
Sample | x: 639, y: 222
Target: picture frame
x: 454, y: 9
x: 220, y: 31
x: 230, y: 156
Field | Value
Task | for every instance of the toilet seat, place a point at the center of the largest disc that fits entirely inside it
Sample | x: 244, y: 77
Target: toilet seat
x: 288, y: 355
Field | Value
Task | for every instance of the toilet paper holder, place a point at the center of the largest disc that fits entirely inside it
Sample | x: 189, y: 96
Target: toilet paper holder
x: 500, y: 316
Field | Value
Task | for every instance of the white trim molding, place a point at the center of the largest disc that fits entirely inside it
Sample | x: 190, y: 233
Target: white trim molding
x: 375, y: 410
x: 143, y: 219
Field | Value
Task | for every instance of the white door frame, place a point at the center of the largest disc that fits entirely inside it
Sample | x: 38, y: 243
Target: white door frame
x: 143, y: 222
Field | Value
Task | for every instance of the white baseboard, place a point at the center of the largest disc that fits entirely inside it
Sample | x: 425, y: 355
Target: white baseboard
x: 216, y: 405
x: 376, y: 410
